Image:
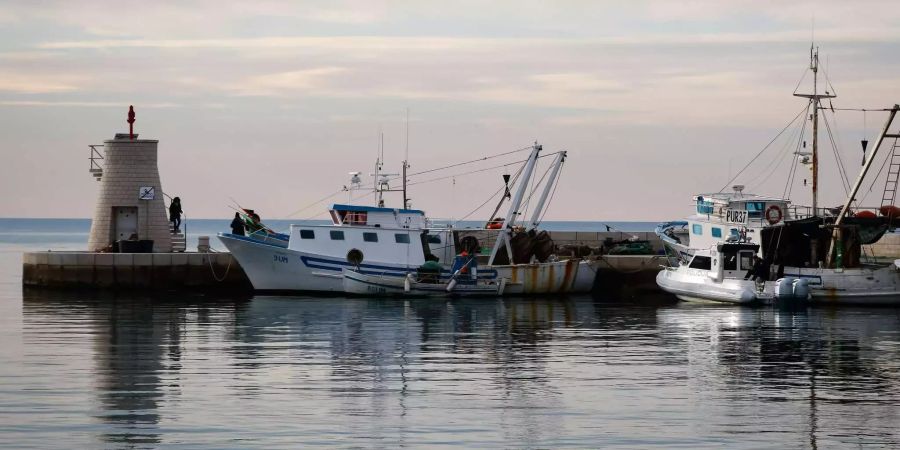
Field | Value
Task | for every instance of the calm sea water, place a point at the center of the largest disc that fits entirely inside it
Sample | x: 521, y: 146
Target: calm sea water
x: 84, y: 370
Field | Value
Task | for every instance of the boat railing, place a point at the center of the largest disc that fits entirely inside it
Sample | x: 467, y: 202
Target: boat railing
x: 805, y: 212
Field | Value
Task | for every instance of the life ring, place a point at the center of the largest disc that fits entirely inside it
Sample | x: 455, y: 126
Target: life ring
x: 773, y: 214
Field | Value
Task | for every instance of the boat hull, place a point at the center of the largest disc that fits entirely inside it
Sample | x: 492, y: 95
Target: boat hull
x: 867, y: 285
x: 698, y: 287
x: 569, y: 276
x: 273, y: 268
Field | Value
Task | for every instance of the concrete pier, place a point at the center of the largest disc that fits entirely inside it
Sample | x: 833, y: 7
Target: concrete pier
x: 128, y: 271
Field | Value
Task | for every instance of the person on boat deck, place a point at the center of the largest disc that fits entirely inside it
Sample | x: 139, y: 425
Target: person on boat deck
x: 175, y: 214
x: 237, y: 225
x: 759, y: 270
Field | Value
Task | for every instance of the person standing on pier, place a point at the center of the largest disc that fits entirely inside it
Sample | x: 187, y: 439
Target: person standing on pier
x: 175, y: 214
x: 237, y: 225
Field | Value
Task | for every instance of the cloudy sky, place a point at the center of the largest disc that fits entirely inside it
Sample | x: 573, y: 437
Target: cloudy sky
x: 272, y: 103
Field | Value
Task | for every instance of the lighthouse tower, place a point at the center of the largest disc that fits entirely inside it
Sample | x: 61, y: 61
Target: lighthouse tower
x: 130, y: 203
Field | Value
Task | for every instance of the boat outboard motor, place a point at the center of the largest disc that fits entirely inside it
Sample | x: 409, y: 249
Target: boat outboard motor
x: 784, y: 288
x: 801, y: 289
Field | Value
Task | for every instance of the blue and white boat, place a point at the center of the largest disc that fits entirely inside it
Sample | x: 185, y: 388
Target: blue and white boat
x: 390, y: 242
x: 376, y: 240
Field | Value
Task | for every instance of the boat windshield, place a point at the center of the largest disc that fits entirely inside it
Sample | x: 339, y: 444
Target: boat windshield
x: 701, y: 262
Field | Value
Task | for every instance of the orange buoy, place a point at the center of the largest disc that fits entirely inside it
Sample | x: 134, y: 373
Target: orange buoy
x: 866, y: 214
x: 889, y: 211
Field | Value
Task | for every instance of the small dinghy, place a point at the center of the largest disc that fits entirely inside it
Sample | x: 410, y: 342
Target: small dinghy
x: 414, y: 286
x: 729, y: 273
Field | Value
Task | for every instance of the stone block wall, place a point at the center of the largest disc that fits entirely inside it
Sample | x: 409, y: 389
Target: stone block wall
x: 129, y: 165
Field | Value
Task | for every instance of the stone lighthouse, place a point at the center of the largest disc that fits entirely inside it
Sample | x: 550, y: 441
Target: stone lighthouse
x: 130, y: 205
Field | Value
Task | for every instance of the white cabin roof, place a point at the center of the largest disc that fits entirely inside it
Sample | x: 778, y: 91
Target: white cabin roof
x: 727, y: 197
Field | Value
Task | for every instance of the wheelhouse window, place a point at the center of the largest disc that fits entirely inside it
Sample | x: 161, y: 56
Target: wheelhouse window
x: 730, y: 260
x: 704, y: 206
x: 701, y: 262
x: 370, y: 237
x: 755, y: 209
x: 337, y: 235
x: 697, y: 229
x: 746, y: 257
x: 434, y: 239
x: 307, y: 234
x: 353, y: 217
x: 401, y: 238
x: 716, y: 232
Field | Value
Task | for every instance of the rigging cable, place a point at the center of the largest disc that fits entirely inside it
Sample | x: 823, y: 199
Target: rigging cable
x: 845, y: 180
x: 553, y: 193
x: 344, y: 189
x: 764, y: 148
x: 784, y: 153
x: 505, y: 187
x: 533, y: 189
x: 476, y: 171
x: 789, y: 184
x: 485, y: 158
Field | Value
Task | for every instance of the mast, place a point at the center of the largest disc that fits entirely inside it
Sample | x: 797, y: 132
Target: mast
x: 405, y: 200
x: 557, y: 165
x: 815, y: 100
x: 868, y: 164
x: 406, y: 161
x: 836, y: 235
x: 504, y: 235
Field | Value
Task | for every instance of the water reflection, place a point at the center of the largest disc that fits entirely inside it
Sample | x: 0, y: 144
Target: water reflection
x: 275, y: 372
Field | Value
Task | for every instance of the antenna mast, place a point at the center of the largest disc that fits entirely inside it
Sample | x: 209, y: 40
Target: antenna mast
x: 406, y: 161
x: 815, y: 100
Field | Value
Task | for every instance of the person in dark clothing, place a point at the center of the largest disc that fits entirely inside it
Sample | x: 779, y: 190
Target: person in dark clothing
x: 759, y: 271
x: 237, y: 225
x: 175, y: 214
x: 751, y: 272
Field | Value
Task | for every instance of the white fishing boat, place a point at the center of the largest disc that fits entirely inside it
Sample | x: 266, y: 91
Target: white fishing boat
x: 822, y: 247
x: 721, y: 216
x: 375, y: 240
x: 387, y: 242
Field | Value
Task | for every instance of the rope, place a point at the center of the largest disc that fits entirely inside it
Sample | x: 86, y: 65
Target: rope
x: 213, y: 270
x: 476, y: 171
x: 789, y: 184
x: 471, y: 161
x: 859, y: 109
x: 552, y: 193
x: 764, y: 148
x: 505, y: 187
x: 840, y: 163
x: 775, y: 162
x: 316, y: 202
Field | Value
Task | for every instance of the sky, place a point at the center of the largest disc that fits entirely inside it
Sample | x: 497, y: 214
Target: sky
x: 271, y: 104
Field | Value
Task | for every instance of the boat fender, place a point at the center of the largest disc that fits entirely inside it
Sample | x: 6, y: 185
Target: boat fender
x: 801, y: 289
x: 502, y: 286
x: 451, y: 285
x: 407, y: 283
x: 774, y: 214
x: 784, y: 287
